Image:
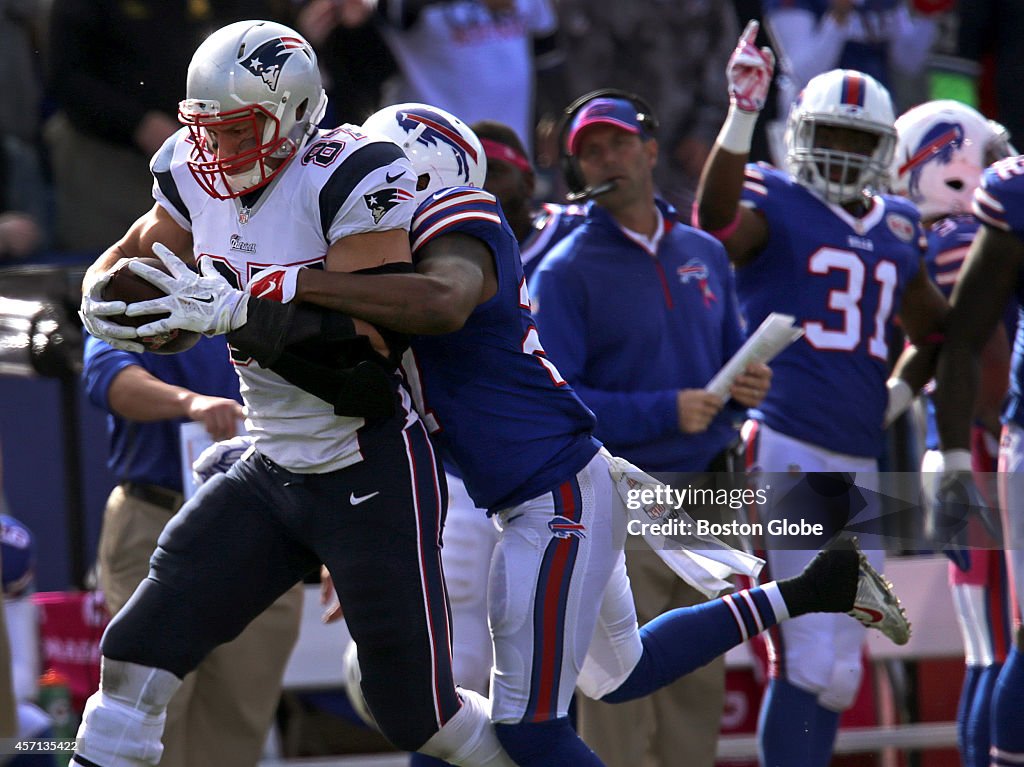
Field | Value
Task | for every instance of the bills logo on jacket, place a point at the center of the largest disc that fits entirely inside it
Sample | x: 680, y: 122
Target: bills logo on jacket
x: 695, y: 269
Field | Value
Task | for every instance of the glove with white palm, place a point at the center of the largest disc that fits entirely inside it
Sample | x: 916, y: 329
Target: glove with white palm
x: 95, y: 310
x: 750, y: 71
x: 956, y: 499
x: 219, y: 457
x: 205, y: 303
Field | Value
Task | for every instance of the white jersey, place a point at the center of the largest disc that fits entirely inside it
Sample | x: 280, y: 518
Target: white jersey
x: 341, y: 183
x: 473, y: 62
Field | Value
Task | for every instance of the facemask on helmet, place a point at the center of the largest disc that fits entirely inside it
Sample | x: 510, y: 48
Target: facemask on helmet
x: 259, y: 78
x: 942, y: 148
x: 830, y: 105
x: 443, y: 150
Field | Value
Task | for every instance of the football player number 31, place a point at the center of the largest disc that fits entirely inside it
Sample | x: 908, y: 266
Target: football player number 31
x: 848, y: 301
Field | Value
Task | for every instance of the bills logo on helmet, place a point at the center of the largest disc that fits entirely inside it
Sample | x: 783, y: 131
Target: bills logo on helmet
x: 432, y: 129
x: 563, y: 527
x: 937, y: 145
x: 383, y: 200
x: 270, y: 57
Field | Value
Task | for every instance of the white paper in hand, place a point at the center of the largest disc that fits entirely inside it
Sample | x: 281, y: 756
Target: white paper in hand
x: 772, y: 336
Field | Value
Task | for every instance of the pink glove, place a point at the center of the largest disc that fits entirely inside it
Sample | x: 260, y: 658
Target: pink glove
x: 750, y: 71
x: 275, y: 282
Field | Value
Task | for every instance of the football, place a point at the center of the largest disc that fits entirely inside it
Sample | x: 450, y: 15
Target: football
x: 125, y: 285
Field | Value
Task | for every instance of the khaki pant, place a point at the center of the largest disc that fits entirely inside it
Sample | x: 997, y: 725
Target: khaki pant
x: 221, y: 714
x: 100, y: 187
x: 677, y: 725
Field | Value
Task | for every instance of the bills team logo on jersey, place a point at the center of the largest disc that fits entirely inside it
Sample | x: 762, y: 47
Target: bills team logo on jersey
x: 383, y: 200
x: 268, y: 59
x: 901, y: 226
x: 431, y: 129
x: 695, y: 269
x: 563, y: 527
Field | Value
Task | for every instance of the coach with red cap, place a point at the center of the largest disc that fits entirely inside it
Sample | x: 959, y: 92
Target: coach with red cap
x: 639, y: 311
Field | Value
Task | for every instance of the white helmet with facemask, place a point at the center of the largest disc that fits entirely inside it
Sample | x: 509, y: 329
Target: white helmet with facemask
x: 259, y: 76
x: 845, y: 99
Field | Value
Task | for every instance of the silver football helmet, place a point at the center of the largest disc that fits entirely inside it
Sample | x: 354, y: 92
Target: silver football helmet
x: 942, y: 148
x: 260, y: 75
x: 444, y: 151
x: 841, y: 98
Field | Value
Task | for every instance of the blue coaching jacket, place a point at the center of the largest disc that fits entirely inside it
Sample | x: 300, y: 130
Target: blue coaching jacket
x: 629, y: 328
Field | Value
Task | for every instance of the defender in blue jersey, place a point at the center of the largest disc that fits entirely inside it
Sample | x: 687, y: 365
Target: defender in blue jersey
x: 818, y: 242
x: 942, y: 149
x: 560, y: 607
x: 993, y: 274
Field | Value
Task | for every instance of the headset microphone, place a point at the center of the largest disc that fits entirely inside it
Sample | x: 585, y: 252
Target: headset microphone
x: 590, y: 192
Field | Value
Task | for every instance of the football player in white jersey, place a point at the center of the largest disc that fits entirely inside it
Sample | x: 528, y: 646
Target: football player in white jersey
x: 817, y: 242
x: 342, y: 471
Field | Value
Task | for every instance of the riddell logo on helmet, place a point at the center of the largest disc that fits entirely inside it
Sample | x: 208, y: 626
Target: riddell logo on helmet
x: 269, y: 59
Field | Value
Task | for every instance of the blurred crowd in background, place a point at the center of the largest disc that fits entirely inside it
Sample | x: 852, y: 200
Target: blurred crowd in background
x: 93, y: 85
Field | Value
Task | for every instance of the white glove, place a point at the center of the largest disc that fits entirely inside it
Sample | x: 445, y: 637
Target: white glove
x: 219, y: 457
x: 276, y: 283
x: 750, y: 71
x: 204, y: 303
x: 94, y: 309
x: 900, y: 397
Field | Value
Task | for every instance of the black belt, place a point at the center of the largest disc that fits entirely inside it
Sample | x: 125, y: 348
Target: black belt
x: 154, y: 494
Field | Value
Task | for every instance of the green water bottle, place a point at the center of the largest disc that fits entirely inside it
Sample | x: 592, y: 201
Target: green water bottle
x: 55, y: 699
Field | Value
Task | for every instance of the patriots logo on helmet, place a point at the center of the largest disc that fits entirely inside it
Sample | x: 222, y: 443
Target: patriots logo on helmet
x: 563, y: 527
x: 269, y: 58
x: 432, y: 129
x: 383, y: 200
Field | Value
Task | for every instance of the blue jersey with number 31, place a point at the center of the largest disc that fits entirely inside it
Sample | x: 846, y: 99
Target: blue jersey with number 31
x: 842, y: 279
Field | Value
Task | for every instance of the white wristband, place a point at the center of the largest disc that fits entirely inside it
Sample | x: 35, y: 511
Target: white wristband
x: 956, y: 460
x: 737, y: 130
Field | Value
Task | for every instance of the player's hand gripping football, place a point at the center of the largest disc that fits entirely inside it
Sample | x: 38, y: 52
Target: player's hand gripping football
x: 95, y: 310
x: 205, y: 302
x: 750, y: 71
